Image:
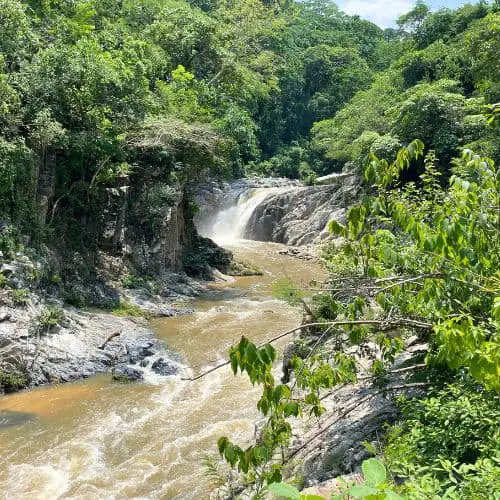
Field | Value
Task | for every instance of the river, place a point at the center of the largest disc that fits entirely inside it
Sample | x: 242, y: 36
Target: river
x: 98, y: 439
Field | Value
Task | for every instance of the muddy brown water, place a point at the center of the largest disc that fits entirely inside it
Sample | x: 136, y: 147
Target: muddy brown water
x: 96, y: 439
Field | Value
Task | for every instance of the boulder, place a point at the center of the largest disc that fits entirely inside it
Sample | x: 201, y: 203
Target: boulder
x: 164, y: 367
x: 124, y: 373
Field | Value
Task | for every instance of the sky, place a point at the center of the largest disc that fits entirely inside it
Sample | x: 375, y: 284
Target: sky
x: 385, y: 12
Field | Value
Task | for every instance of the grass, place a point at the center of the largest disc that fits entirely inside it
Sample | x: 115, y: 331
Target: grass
x: 128, y: 309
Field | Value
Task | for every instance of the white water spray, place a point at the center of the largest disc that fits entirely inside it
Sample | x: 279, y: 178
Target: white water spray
x: 227, y: 226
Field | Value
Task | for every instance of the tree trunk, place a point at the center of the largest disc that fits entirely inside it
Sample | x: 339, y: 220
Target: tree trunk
x: 45, y: 179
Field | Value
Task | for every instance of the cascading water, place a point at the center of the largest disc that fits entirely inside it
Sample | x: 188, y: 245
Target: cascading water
x: 227, y: 226
x: 277, y: 210
x: 97, y: 439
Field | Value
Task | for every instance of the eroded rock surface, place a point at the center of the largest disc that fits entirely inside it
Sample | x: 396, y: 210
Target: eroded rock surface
x: 289, y: 213
x: 299, y: 216
x: 84, y: 344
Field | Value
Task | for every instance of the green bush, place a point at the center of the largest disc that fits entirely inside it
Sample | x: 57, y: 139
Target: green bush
x: 132, y: 280
x: 446, y: 437
x: 13, y: 381
x: 20, y: 297
x: 49, y: 317
x: 128, y: 309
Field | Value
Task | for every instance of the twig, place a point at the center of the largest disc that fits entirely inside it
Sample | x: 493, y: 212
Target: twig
x: 399, y: 280
x: 410, y: 280
x: 311, y: 352
x: 110, y: 338
x: 393, y: 372
x: 374, y: 322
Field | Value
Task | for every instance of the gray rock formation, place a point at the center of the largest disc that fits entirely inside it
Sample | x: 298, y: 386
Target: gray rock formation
x: 291, y: 214
x: 299, y: 216
x: 157, y: 246
x: 355, y: 413
x: 164, y: 367
x: 85, y: 344
x: 124, y: 373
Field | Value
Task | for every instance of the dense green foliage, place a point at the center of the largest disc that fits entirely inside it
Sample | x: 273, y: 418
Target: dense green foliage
x: 110, y: 110
x: 99, y: 95
x: 411, y: 260
x: 436, y: 91
x: 96, y: 96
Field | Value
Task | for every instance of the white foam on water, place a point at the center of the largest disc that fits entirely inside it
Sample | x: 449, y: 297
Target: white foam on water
x: 40, y: 482
x: 228, y: 225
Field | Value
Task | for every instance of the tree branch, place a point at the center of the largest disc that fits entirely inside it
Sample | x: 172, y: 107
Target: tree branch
x: 373, y: 322
x: 110, y: 338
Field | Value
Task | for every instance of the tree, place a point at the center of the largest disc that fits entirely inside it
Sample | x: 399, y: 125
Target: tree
x: 413, y: 19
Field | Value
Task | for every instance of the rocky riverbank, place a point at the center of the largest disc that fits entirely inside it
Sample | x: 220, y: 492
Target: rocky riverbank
x: 335, y: 445
x: 43, y: 340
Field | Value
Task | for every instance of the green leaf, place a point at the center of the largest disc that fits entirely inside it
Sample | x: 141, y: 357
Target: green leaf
x: 311, y: 497
x: 234, y: 364
x: 390, y: 495
x: 374, y: 471
x: 362, y: 491
x: 282, y: 490
x: 336, y: 228
x: 222, y: 443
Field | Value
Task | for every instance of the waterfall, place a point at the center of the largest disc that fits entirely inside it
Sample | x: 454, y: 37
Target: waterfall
x: 226, y: 224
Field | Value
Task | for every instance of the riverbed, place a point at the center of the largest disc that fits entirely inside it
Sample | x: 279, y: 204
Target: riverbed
x: 98, y: 439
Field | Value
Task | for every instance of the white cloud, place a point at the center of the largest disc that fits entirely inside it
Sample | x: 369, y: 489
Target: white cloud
x: 383, y: 13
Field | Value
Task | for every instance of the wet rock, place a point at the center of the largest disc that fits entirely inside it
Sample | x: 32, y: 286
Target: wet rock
x: 300, y: 216
x: 292, y: 214
x: 202, y: 255
x: 142, y: 349
x: 125, y: 373
x: 164, y: 367
x: 303, y: 252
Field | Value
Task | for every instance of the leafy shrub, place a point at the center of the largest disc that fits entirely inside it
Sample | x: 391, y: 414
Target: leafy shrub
x: 9, y: 241
x: 132, y: 280
x: 13, y: 381
x: 442, y: 433
x: 20, y: 297
x: 49, y: 317
x: 75, y: 297
x: 128, y: 309
x: 243, y: 268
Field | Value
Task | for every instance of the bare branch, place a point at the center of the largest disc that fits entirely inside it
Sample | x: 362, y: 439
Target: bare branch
x: 110, y: 338
x: 384, y: 325
x: 394, y: 372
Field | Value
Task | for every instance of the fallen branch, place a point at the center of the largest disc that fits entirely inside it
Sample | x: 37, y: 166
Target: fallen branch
x: 394, y: 372
x: 373, y: 322
x: 109, y: 339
